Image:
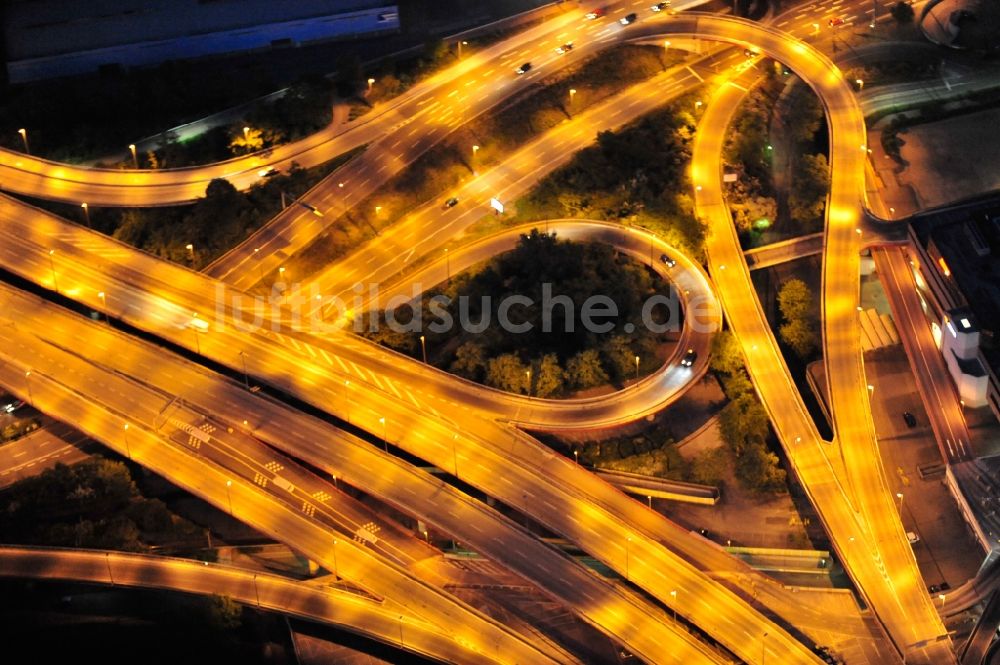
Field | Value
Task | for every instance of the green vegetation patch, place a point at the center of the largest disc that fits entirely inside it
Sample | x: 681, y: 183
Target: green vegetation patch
x: 93, y: 504
x: 548, y: 349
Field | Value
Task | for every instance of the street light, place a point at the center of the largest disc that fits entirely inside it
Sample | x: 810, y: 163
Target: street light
x: 666, y: 44
x: 385, y: 438
x: 941, y: 598
x: 370, y: 82
x: 673, y: 606
x: 527, y: 373
x: 460, y: 44
x: 190, y: 248
x: 637, y: 368
x: 52, y: 264
x: 871, y: 390
x: 576, y: 455
x: 627, y: 541
x: 899, y: 495
x: 128, y: 450
x: 246, y: 375
x: 336, y: 574
x: 104, y: 304
x: 246, y: 134
x: 24, y: 137
x: 475, y: 149
x: 229, y: 495
x: 861, y: 84
x: 572, y: 93
x: 27, y: 381
x: 86, y: 213
x: 135, y: 157
x: 423, y: 347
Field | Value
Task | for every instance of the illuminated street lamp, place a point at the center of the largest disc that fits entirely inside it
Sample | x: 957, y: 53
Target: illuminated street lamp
x: 475, y: 149
x: 423, y: 347
x: 135, y: 157
x: 899, y: 495
x: 527, y: 373
x: 627, y: 541
x: 666, y: 44
x: 246, y: 135
x: 27, y: 382
x: 649, y: 498
x: 86, y: 213
x: 572, y: 93
x: 335, y: 567
x: 460, y: 44
x: 24, y: 137
x: 861, y: 84
x: 673, y: 594
x: 637, y: 368
x: 128, y: 450
x: 385, y: 438
x: 941, y: 598
x: 229, y: 495
x: 816, y: 28
x: 246, y: 375
x: 370, y: 82
x: 104, y: 304
x: 576, y: 456
x: 190, y: 248
x: 871, y: 391
x: 52, y: 265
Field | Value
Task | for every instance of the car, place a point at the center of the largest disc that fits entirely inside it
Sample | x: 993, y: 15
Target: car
x: 13, y: 406
x: 689, y: 358
x: 909, y: 419
x: 667, y: 261
x: 912, y: 537
x: 565, y: 48
x: 523, y: 68
x: 751, y: 52
x: 267, y: 172
x: 705, y: 533
x: 934, y: 588
x: 596, y: 13
x: 834, y: 22
x: 659, y: 6
x: 451, y: 203
x: 628, y: 18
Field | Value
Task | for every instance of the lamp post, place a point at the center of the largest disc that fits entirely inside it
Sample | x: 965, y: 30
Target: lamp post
x: 861, y: 84
x: 86, y: 213
x: 27, y: 382
x: 572, y: 93
x: 128, y: 449
x: 673, y: 605
x: 135, y: 156
x: 246, y: 376
x: 637, y: 368
x: 336, y: 568
x: 256, y: 592
x: 190, y: 248
x: 899, y: 495
x: 229, y: 495
x: 649, y: 498
x: 461, y: 43
x: 941, y: 598
x: 454, y: 452
x: 527, y: 373
x: 400, y: 631
x: 24, y: 137
x: 576, y: 456
x: 423, y: 347
x: 104, y: 304
x: 370, y: 82
x: 627, y: 541
x: 385, y: 438
x: 246, y: 135
x: 52, y: 265
x: 475, y: 149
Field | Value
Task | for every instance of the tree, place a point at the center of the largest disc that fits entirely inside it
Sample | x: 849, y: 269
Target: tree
x: 809, y: 188
x: 470, y: 360
x: 795, y: 300
x: 550, y: 376
x: 796, y: 304
x: 246, y: 140
x: 224, y: 613
x: 709, y: 466
x: 758, y: 469
x: 902, y: 12
x: 743, y: 422
x: 803, y: 114
x: 619, y: 356
x: 507, y: 372
x: 801, y: 336
x: 737, y: 384
x: 584, y: 370
x: 726, y: 354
